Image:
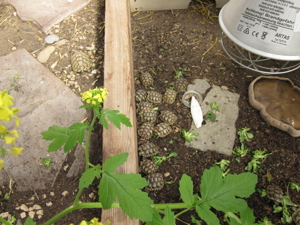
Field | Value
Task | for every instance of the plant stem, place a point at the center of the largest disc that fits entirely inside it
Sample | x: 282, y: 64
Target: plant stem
x: 171, y: 206
x: 87, y: 158
x: 90, y: 205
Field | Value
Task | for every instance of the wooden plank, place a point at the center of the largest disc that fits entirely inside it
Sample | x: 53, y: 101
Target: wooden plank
x: 119, y: 81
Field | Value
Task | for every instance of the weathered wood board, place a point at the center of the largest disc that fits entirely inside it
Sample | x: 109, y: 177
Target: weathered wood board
x: 119, y: 81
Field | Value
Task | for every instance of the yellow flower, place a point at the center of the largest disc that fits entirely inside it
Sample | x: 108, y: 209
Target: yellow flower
x: 17, y: 151
x: 83, y: 222
x: 2, y: 129
x: 1, y: 163
x: 9, y: 140
x: 94, y: 221
x: 94, y: 96
x: 5, y: 99
x: 15, y: 133
x: 17, y: 121
x: 5, y: 113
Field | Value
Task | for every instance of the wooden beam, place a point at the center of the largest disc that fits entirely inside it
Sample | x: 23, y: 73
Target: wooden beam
x: 119, y: 81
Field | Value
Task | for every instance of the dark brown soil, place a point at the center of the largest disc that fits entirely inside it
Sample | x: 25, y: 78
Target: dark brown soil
x: 163, y: 42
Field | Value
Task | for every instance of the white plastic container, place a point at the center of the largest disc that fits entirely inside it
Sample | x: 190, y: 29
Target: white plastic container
x: 145, y: 5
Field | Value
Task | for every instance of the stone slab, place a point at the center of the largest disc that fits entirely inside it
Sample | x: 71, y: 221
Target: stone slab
x: 219, y: 135
x: 44, y: 101
x: 46, y: 13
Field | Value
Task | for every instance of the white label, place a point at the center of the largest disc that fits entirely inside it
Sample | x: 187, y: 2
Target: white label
x: 272, y: 21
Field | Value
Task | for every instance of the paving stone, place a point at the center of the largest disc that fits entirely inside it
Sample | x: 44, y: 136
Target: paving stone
x: 219, y: 135
x: 44, y: 101
x: 200, y: 85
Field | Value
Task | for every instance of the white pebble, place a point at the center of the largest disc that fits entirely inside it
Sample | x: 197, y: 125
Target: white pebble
x: 23, y: 215
x: 24, y: 208
x: 31, y: 214
x: 50, y: 39
x: 48, y: 204
x: 45, y: 54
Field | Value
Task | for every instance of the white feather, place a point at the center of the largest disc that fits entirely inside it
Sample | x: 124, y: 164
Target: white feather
x: 196, y: 112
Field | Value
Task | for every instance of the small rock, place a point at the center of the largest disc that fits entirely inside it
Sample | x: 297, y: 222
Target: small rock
x: 167, y: 174
x: 50, y: 39
x: 44, y: 196
x: 14, y: 48
x: 4, y: 215
x: 40, y: 212
x: 45, y: 54
x: 36, y: 207
x: 48, y: 204
x: 40, y: 216
x: 224, y: 88
x: 31, y: 214
x: 65, y: 193
x: 92, y: 195
x: 23, y: 215
x: 24, y: 208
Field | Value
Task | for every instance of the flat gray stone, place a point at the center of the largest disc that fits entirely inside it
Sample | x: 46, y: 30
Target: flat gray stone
x: 44, y: 101
x: 219, y: 135
x: 200, y: 85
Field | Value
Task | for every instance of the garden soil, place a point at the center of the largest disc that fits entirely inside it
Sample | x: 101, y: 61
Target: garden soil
x: 163, y: 42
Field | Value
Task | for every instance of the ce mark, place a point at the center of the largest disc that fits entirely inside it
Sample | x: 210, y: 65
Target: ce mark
x: 255, y: 34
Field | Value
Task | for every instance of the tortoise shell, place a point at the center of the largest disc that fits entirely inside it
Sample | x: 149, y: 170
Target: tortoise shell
x: 296, y: 217
x: 156, y: 182
x: 274, y: 193
x: 162, y: 129
x: 169, y: 96
x: 148, y: 149
x: 141, y: 95
x: 154, y: 97
x: 146, y: 79
x: 180, y: 84
x: 145, y: 105
x: 148, y: 115
x: 148, y: 166
x: 146, y: 130
x: 168, y: 117
x: 80, y: 62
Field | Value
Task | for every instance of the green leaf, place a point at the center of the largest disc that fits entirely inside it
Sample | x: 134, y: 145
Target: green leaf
x: 221, y: 193
x: 88, y: 176
x: 29, y: 221
x: 156, y: 220
x: 115, y: 118
x: 59, y: 135
x: 111, y: 164
x: 210, y: 115
x: 186, y: 190
x: 76, y: 135
x: 125, y: 187
x: 203, y: 211
x: 247, y: 217
x: 194, y: 220
x: 169, y: 218
x: 4, y: 221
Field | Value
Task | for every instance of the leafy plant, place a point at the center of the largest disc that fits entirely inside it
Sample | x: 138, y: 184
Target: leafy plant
x: 188, y: 136
x: 214, y: 106
x: 211, y: 116
x: 47, y: 162
x: 179, y: 73
x: 244, y: 135
x: 240, y: 152
x: 265, y: 221
x: 224, y: 166
x: 159, y: 159
x: 284, y: 209
x: 258, y: 157
x: 294, y: 186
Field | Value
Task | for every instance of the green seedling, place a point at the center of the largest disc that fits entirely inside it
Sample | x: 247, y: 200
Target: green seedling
x: 188, y: 135
x: 224, y: 166
x: 262, y: 192
x: 214, y: 106
x: 285, y: 209
x: 240, y: 152
x: 265, y: 221
x: 244, y: 135
x: 258, y: 157
x: 222, y: 68
x: 171, y: 142
x: 47, y: 162
x: 159, y: 159
x: 152, y: 88
x: 179, y: 72
x: 170, y: 182
x: 155, y: 108
x: 294, y: 186
x: 211, y: 116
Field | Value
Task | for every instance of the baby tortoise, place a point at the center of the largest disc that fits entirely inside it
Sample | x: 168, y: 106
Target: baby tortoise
x: 156, y: 182
x: 168, y: 117
x: 274, y: 193
x: 148, y: 115
x: 140, y: 95
x: 180, y: 84
x: 145, y: 105
x: 146, y: 79
x: 80, y: 62
x: 162, y: 129
x: 169, y: 96
x: 146, y: 130
x: 148, y: 149
x: 154, y: 97
x: 296, y: 217
x: 148, y: 166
